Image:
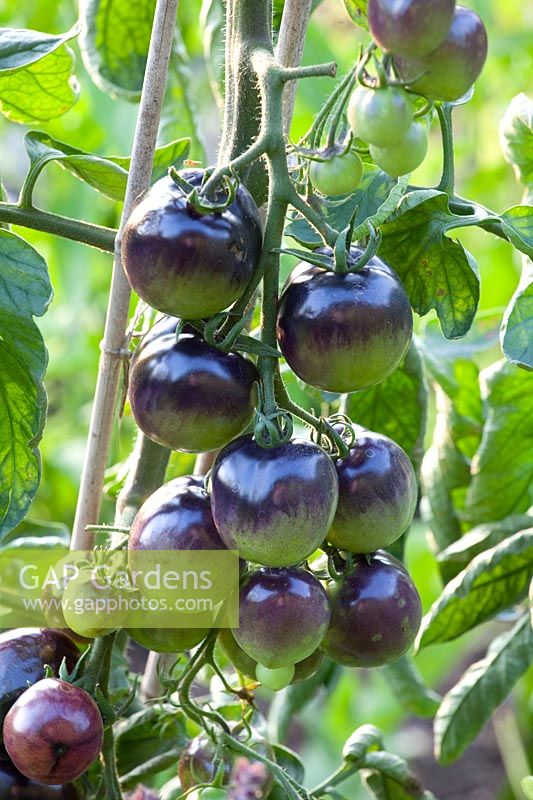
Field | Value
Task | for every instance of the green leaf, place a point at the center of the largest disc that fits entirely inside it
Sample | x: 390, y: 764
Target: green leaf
x: 516, y: 137
x: 357, y: 11
x: 502, y: 469
x: 527, y: 787
x: 146, y: 735
x: 34, y: 533
x: 295, y: 697
x: 388, y: 776
x: 289, y: 761
x: 397, y: 407
x: 483, y: 537
x: 518, y: 225
x: 436, y: 271
x: 19, y: 48
x: 469, y: 705
x: 374, y: 201
x: 409, y: 688
x: 364, y: 739
x: 212, y: 22
x: 42, y: 90
x: 114, y: 44
x: 517, y: 325
x: 25, y: 292
x: 106, y: 175
x: 492, y: 582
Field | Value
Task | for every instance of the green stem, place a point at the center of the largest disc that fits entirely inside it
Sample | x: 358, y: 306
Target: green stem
x: 36, y: 219
x: 147, y: 472
x: 341, y: 774
x: 447, y: 181
x: 294, y: 790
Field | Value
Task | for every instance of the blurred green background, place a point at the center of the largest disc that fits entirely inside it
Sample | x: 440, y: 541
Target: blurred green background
x: 74, y: 324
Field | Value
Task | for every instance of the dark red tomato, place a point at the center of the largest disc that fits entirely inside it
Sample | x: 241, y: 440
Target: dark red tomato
x: 246, y: 665
x: 344, y: 332
x: 411, y: 27
x: 375, y: 613
x: 377, y: 495
x: 449, y: 71
x: 15, y: 785
x: 189, y: 264
x: 24, y: 653
x: 54, y: 732
x: 274, y: 505
x: 187, y: 395
x: 283, y: 616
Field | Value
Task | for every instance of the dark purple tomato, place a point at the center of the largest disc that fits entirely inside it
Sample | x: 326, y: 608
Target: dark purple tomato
x: 189, y: 396
x: 168, y: 640
x: 410, y: 27
x: 344, y: 332
x: 449, y: 71
x: 375, y: 613
x: 283, y: 616
x: 24, y: 653
x: 15, y: 785
x: 377, y: 495
x: 54, y: 732
x: 275, y: 506
x: 185, y: 263
x: 246, y: 665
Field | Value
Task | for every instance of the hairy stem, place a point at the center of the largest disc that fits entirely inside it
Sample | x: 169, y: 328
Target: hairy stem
x: 148, y: 465
x: 85, y: 232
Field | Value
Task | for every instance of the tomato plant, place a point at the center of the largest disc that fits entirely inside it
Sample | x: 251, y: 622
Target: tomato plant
x: 299, y: 363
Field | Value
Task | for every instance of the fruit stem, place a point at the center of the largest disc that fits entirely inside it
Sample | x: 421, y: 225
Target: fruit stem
x: 447, y: 181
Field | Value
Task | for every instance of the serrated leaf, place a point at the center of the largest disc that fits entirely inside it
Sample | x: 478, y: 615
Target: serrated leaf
x: 483, y: 537
x: 437, y: 272
x: 517, y: 223
x: 516, y: 137
x: 114, y: 43
x: 469, y: 705
x: 492, y: 582
x: 41, y: 91
x: 409, y: 687
x: 397, y: 407
x: 517, y: 325
x: 357, y: 11
x: 502, y: 469
x: 106, y: 175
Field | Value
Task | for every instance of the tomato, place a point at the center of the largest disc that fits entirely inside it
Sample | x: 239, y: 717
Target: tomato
x: 411, y: 27
x: 340, y: 174
x: 54, y: 732
x: 189, y: 264
x: 375, y: 613
x: 246, y: 665
x: 405, y: 155
x: 344, y: 332
x: 24, y: 653
x: 449, y: 71
x: 168, y: 640
x: 274, y: 505
x: 187, y: 395
x: 380, y: 116
x: 283, y: 616
x: 81, y: 605
x: 377, y: 495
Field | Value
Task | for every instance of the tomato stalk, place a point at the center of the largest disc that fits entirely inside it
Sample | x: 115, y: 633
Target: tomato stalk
x: 447, y: 181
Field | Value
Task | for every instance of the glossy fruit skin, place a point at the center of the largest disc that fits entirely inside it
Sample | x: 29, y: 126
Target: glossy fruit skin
x: 15, y: 785
x: 185, y: 263
x: 88, y: 624
x: 449, y: 71
x: 189, y: 396
x: 412, y: 27
x: 405, y: 155
x: 283, y: 616
x: 24, y: 653
x: 246, y: 665
x: 54, y: 732
x: 339, y: 175
x: 380, y: 116
x: 344, y: 332
x: 168, y: 640
x: 375, y: 613
x: 377, y: 495
x: 274, y: 505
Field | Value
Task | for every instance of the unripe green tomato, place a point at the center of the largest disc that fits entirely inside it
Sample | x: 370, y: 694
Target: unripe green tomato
x: 380, y: 116
x: 87, y: 602
x: 276, y: 678
x: 405, y: 155
x: 340, y: 174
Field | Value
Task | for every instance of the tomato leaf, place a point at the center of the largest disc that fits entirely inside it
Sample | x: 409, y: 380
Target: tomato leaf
x: 106, y: 175
x: 517, y: 326
x: 397, y: 407
x: 19, y: 48
x: 436, y: 271
x: 469, y: 705
x: 364, y: 739
x: 409, y: 688
x: 516, y: 137
x: 502, y: 471
x: 146, y: 735
x: 388, y: 777
x: 114, y: 44
x: 493, y: 581
x: 357, y: 11
x: 34, y: 533
x: 518, y: 225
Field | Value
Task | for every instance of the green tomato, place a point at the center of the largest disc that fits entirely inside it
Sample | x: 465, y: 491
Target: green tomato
x: 87, y: 602
x: 380, y: 116
x: 276, y: 678
x: 405, y: 155
x: 340, y: 174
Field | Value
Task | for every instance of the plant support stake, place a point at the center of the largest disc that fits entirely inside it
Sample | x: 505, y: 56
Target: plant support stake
x: 92, y: 479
